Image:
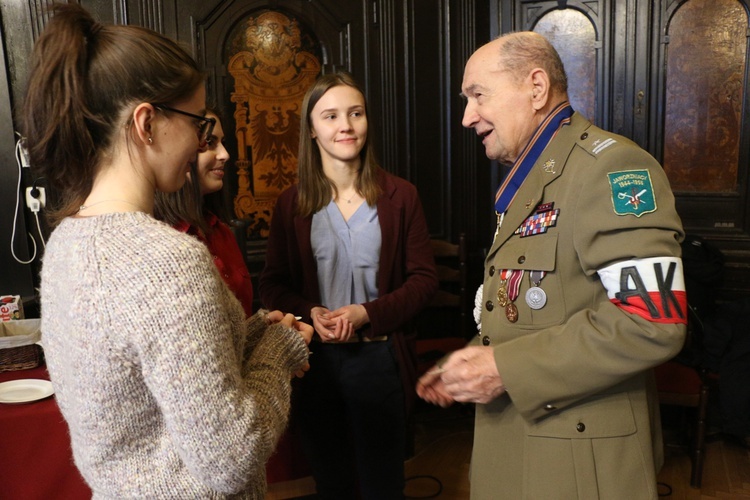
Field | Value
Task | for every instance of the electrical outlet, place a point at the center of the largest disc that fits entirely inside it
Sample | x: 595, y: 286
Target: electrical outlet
x: 36, y: 198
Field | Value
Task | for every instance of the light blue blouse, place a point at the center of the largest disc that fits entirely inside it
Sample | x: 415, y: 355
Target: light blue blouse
x: 347, y: 254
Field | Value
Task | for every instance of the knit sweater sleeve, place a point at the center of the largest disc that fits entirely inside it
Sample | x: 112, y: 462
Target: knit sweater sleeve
x: 223, y: 413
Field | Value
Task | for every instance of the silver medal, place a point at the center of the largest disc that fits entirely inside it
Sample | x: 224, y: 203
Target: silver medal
x: 535, y: 297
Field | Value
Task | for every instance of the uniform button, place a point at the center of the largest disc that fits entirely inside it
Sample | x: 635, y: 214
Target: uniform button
x: 489, y: 305
x: 492, y: 270
x: 550, y: 407
x: 584, y: 135
x: 485, y: 340
x: 522, y: 259
x: 580, y: 427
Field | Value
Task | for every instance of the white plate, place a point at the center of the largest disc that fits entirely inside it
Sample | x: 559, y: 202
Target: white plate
x: 25, y: 390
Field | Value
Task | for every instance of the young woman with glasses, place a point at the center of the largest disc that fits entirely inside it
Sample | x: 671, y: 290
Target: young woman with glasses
x: 168, y: 388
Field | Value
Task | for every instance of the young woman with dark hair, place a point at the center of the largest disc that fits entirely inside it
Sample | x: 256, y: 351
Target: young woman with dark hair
x: 199, y: 209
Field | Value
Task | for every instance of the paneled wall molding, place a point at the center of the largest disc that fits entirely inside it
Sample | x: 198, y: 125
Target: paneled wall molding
x: 384, y: 78
x: 39, y: 12
x: 469, y: 184
x: 151, y: 14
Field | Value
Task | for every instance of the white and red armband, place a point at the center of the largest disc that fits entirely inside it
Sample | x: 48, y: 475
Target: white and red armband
x: 652, y: 288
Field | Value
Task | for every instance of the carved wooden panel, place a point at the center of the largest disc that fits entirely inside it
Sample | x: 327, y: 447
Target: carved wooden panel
x: 272, y: 61
x: 261, y: 60
x: 705, y: 81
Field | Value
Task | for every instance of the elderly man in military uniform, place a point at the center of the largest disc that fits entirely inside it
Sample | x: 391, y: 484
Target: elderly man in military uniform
x: 583, y: 293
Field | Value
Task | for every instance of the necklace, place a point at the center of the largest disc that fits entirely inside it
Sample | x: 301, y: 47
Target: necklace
x: 85, y: 207
x: 349, y: 201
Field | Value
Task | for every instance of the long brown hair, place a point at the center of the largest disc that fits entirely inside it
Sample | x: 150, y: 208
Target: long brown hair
x: 314, y: 187
x: 84, y: 78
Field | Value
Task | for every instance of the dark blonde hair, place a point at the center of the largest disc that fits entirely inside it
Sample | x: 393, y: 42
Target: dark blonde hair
x: 314, y: 187
x: 522, y: 51
x: 84, y: 76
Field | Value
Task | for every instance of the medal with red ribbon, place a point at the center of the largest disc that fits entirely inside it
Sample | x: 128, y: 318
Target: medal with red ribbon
x: 513, y: 286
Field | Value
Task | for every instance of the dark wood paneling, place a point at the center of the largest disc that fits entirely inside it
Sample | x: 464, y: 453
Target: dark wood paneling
x: 409, y: 55
x: 15, y: 278
x: 632, y: 78
x: 719, y: 213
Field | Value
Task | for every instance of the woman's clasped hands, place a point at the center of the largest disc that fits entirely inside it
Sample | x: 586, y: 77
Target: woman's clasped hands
x: 338, y: 325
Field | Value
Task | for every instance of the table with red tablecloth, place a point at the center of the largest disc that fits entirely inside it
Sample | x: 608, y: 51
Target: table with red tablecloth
x: 36, y: 461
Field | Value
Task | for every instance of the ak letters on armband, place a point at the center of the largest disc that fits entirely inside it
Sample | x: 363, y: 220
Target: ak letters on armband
x: 653, y: 288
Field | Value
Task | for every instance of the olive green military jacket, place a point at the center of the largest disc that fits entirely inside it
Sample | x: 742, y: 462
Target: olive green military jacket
x: 579, y: 419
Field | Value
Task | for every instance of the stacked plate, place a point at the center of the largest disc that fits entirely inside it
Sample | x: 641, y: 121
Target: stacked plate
x: 25, y: 390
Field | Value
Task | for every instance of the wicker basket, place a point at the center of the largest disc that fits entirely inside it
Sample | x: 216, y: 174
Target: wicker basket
x: 18, y: 345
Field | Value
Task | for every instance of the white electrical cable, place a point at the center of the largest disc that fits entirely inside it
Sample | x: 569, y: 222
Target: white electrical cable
x: 15, y: 214
x: 39, y: 229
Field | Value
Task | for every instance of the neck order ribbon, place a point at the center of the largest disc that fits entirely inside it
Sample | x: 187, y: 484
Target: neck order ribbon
x: 542, y: 136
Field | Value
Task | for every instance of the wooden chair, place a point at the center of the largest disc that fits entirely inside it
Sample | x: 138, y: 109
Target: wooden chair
x: 681, y: 384
x: 443, y: 324
x: 685, y: 386
x: 450, y: 260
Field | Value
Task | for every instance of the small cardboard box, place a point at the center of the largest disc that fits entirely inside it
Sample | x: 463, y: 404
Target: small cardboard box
x: 11, y: 307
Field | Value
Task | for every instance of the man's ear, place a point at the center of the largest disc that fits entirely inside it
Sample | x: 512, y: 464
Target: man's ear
x: 540, y: 88
x: 143, y: 120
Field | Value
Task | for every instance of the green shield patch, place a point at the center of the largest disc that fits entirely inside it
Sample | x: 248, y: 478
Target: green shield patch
x: 632, y: 192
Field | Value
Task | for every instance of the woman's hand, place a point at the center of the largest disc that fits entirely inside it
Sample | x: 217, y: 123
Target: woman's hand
x: 329, y: 328
x: 356, y: 314
x: 306, y: 332
x: 291, y: 321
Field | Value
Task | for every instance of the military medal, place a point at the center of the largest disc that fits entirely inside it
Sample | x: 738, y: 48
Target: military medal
x: 511, y: 312
x: 513, y: 286
x: 536, y: 298
x: 500, y: 217
x: 502, y: 292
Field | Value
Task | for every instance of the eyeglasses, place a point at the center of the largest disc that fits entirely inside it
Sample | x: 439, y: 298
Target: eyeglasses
x: 206, y: 127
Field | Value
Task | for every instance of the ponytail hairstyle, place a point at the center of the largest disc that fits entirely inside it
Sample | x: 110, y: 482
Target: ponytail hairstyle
x: 85, y: 79
x: 314, y: 187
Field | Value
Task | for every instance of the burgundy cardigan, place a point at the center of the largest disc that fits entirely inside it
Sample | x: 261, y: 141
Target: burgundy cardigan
x: 407, y: 278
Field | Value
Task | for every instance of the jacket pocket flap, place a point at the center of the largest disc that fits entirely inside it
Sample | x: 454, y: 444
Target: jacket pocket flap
x: 519, y: 253
x: 608, y: 415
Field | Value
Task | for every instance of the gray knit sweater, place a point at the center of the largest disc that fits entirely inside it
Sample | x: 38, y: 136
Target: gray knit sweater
x: 169, y: 392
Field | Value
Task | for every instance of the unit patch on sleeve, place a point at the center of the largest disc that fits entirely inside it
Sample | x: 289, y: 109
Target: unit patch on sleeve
x: 632, y: 192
